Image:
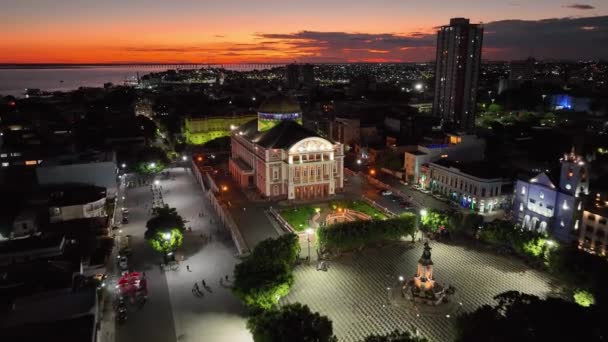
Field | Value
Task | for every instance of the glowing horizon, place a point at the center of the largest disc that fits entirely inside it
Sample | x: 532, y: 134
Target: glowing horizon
x: 239, y: 31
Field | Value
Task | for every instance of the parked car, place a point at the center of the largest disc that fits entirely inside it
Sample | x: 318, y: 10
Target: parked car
x: 386, y: 192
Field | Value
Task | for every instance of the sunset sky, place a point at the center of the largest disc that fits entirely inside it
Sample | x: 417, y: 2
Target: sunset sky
x: 205, y: 31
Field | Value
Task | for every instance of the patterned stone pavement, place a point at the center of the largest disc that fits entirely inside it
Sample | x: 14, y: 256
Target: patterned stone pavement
x: 355, y: 291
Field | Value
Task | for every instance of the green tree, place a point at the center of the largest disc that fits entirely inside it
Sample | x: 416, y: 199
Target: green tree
x: 395, y: 336
x: 166, y: 241
x: 285, y: 249
x: 583, y: 298
x: 523, y: 317
x: 163, y: 219
x: 433, y: 220
x: 357, y: 234
x: 265, y: 276
x: 292, y: 322
x: 261, y: 283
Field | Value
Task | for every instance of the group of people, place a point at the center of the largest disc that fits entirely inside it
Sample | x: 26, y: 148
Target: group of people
x: 196, y: 289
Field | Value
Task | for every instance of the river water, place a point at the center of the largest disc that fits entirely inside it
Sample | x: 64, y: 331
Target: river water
x: 15, y: 81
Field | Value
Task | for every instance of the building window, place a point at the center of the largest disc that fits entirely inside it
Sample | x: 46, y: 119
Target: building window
x: 521, y: 207
x: 568, y: 187
x: 532, y: 200
x: 565, y: 205
x: 541, y: 195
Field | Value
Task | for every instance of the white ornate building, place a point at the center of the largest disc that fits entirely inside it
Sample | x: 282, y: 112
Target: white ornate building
x: 553, y: 206
x: 284, y: 159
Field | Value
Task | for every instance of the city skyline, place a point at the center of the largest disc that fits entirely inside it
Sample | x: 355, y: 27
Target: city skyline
x: 237, y: 31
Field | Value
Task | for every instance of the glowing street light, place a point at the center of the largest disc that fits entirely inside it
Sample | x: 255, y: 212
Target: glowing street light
x: 358, y: 161
x: 184, y: 158
x: 372, y: 172
x: 152, y: 165
x: 123, y: 165
x: 423, y: 212
x: 156, y: 182
x: 418, y: 86
x: 550, y: 243
x: 401, y: 278
x: 309, y: 232
x: 167, y: 236
x: 224, y: 188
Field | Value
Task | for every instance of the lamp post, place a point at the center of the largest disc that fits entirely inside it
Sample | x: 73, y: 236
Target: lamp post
x: 309, y: 231
x: 167, y: 238
x: 423, y: 212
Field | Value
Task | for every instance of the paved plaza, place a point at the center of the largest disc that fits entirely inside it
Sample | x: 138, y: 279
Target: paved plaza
x: 355, y: 291
x: 218, y: 315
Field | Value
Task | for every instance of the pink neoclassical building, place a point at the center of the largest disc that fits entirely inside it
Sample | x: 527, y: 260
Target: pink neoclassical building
x: 281, y: 158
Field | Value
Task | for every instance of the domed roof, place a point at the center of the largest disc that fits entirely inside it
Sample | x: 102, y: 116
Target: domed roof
x: 280, y: 104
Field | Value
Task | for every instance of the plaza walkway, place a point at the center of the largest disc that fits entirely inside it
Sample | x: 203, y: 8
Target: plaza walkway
x: 354, y: 293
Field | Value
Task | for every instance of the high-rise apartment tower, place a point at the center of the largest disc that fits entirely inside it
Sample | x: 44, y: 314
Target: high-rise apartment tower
x: 457, y: 72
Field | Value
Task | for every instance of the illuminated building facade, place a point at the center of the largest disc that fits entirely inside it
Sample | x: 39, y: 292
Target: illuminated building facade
x: 475, y: 186
x: 555, y: 208
x: 285, y: 160
x: 198, y: 131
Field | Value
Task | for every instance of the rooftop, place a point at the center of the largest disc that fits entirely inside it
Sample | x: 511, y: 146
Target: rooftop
x: 278, y: 104
x: 64, y: 314
x: 478, y: 169
x: 283, y: 135
x: 34, y: 242
x: 73, y: 194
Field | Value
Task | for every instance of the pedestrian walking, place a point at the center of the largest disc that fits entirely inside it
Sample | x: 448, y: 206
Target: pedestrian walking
x: 203, y: 282
x: 226, y: 277
x: 188, y: 268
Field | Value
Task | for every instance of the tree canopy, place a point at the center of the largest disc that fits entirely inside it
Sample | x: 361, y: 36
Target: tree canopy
x: 524, y: 317
x: 163, y: 219
x: 356, y: 234
x: 167, y: 241
x: 266, y: 275
x: 292, y: 322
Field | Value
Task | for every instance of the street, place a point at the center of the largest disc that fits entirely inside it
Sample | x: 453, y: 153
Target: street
x: 172, y: 312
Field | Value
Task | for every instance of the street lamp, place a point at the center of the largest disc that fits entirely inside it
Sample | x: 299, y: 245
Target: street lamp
x: 358, y: 161
x: 167, y: 236
x: 418, y: 86
x: 423, y: 213
x: 224, y: 188
x: 156, y: 182
x: 309, y: 231
x: 184, y: 158
x: 152, y: 165
x: 123, y: 165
